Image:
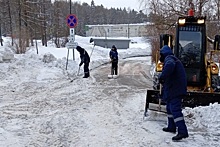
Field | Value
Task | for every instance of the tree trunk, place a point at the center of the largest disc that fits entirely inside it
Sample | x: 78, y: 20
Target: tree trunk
x: 20, y: 42
x: 10, y: 23
x: 1, y: 40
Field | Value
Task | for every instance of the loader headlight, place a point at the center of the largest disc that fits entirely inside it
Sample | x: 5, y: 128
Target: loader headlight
x: 159, y: 66
x: 214, y: 69
x: 200, y: 21
x: 182, y: 21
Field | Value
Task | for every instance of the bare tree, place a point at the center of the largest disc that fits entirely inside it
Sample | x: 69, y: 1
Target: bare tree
x: 26, y: 20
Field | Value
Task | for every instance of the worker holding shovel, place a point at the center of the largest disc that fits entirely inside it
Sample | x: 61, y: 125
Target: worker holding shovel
x: 113, y: 54
x: 85, y: 59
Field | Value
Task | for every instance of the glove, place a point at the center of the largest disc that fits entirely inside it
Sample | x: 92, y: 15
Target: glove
x: 80, y: 64
x: 161, y: 80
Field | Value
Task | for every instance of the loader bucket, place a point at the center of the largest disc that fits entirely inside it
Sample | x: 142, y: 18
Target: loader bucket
x: 195, y: 99
x: 192, y: 99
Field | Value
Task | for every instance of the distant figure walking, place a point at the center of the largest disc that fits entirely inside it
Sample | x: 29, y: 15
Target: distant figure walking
x: 84, y: 59
x: 113, y: 54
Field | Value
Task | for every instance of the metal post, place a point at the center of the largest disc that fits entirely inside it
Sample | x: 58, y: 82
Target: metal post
x: 70, y: 6
x: 67, y: 59
x: 73, y: 55
x: 128, y: 31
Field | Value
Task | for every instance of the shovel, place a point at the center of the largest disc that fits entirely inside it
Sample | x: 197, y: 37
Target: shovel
x: 77, y: 74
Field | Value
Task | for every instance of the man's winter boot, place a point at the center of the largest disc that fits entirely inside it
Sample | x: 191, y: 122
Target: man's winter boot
x: 179, y: 137
x: 86, y: 75
x: 173, y: 130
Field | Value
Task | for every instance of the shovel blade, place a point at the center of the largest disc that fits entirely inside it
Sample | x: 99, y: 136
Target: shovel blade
x: 157, y: 107
x: 154, y: 102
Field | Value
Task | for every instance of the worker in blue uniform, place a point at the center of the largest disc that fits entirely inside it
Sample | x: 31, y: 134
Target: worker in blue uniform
x: 113, y: 54
x: 173, y: 80
x: 85, y: 59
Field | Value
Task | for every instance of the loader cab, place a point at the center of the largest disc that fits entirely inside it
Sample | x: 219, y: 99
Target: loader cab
x: 190, y: 48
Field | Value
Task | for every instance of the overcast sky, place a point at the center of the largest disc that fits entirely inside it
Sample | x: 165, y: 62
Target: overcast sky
x: 133, y: 4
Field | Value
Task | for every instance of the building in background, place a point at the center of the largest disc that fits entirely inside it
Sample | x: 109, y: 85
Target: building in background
x: 117, y: 30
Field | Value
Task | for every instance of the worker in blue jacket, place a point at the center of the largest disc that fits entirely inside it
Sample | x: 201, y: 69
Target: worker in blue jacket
x: 173, y: 79
x: 113, y: 54
x: 85, y: 59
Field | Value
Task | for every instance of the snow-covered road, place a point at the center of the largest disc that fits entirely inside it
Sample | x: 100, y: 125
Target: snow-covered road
x: 87, y: 112
x: 40, y: 107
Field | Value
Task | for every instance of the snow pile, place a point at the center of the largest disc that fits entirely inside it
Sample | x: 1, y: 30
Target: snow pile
x: 204, y: 118
x: 6, y: 56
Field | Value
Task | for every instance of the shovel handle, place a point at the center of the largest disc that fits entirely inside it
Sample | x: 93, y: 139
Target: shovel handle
x: 160, y: 89
x: 159, y: 105
x: 78, y: 71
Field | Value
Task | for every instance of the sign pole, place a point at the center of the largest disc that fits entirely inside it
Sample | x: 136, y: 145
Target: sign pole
x: 73, y: 55
x: 67, y: 58
x: 70, y: 6
x: 71, y: 21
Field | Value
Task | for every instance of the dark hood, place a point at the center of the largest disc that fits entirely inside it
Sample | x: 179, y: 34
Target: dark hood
x: 165, y: 51
x: 114, y: 48
x: 79, y: 49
